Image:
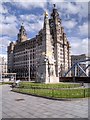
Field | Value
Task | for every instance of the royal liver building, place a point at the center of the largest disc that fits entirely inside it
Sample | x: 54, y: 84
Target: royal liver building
x: 43, y: 58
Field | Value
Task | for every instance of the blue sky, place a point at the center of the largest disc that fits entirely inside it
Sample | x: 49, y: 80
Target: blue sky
x: 74, y: 17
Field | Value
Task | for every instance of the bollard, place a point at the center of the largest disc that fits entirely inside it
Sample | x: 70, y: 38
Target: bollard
x: 34, y: 90
x: 52, y: 92
x: 84, y: 93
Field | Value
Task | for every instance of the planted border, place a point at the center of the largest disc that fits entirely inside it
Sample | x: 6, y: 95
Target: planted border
x: 53, y: 90
x: 42, y: 85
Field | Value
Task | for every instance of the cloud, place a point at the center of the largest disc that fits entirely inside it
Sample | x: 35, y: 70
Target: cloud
x: 55, y: 1
x: 9, y: 19
x: 69, y: 24
x: 31, y: 17
x: 67, y: 7
x: 8, y: 29
x: 82, y: 0
x: 33, y: 27
x: 32, y: 22
x: 83, y: 29
x: 73, y: 8
x: 3, y: 9
x: 28, y: 17
x: 77, y: 1
x: 29, y: 4
x: 4, y: 42
x: 78, y: 45
x: 8, y: 25
x: 83, y: 9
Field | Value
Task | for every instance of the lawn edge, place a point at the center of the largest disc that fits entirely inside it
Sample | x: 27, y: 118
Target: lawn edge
x: 51, y: 98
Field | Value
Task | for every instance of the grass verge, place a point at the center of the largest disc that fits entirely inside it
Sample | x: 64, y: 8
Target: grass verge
x: 60, y: 90
x: 9, y: 83
x: 42, y: 85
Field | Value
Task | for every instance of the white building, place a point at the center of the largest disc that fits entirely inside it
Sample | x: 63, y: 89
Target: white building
x: 44, y: 57
x: 3, y: 65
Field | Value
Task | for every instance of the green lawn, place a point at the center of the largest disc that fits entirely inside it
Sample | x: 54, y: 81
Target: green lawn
x: 10, y: 83
x: 69, y: 93
x: 61, y: 90
x: 42, y: 85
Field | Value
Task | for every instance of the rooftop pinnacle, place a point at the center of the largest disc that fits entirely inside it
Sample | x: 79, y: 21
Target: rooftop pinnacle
x: 46, y: 14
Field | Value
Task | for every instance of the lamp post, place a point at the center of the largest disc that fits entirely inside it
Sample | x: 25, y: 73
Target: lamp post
x: 29, y: 62
x: 61, y: 71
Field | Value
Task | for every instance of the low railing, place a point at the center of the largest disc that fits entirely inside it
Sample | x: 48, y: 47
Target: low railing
x: 74, y: 79
x: 55, y: 92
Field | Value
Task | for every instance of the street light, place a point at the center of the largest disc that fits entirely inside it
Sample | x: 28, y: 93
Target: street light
x: 61, y: 70
x: 29, y: 62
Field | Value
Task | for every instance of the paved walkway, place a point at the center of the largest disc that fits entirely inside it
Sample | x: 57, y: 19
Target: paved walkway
x: 36, y: 107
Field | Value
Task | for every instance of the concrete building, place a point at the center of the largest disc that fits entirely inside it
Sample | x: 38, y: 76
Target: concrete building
x: 44, y: 57
x: 3, y: 65
x: 77, y: 58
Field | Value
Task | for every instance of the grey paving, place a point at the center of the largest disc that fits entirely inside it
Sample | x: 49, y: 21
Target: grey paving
x: 36, y: 107
x: 0, y: 102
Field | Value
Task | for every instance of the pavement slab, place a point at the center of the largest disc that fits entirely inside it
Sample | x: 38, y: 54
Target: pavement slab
x: 16, y: 105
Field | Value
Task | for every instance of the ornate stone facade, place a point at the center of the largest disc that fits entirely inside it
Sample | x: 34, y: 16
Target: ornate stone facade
x: 49, y: 52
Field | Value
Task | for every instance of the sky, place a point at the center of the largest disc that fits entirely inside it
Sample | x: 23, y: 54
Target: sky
x: 74, y: 17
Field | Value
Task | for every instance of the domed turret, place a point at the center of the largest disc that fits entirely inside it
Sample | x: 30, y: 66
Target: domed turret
x: 22, y: 36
